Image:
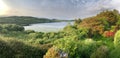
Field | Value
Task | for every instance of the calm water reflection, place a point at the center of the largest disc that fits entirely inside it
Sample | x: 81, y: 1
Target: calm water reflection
x: 47, y: 27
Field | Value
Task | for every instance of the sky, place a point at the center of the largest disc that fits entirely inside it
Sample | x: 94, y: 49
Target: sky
x: 60, y: 9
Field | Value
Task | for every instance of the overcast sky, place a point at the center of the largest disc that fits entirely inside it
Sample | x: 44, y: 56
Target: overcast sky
x: 60, y: 9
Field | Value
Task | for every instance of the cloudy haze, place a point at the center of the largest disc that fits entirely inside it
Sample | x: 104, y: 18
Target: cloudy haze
x: 61, y: 9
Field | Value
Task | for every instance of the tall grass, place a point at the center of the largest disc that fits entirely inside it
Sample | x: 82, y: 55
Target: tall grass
x: 15, y: 48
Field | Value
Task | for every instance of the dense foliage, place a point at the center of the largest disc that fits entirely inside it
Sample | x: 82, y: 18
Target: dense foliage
x: 101, y: 52
x: 10, y: 27
x: 93, y: 37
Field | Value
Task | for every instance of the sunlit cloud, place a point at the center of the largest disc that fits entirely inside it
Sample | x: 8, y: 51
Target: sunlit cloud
x: 3, y: 7
x: 63, y: 9
x: 115, y: 4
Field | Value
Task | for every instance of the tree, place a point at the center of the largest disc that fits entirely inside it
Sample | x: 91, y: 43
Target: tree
x: 111, y: 16
x: 77, y: 21
x: 95, y: 25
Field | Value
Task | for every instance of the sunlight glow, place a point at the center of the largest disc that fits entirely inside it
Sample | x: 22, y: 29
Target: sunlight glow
x: 3, y: 8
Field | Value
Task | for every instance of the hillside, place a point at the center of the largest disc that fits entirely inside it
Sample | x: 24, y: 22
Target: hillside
x: 93, y: 37
x: 108, y: 20
x: 26, y: 20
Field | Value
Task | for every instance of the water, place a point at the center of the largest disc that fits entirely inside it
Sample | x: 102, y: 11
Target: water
x: 47, y: 27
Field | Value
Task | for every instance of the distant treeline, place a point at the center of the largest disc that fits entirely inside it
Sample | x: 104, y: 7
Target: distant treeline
x: 26, y: 20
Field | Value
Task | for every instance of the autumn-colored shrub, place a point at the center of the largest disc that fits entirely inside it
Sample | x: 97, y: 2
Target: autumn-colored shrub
x: 109, y: 34
x: 53, y: 52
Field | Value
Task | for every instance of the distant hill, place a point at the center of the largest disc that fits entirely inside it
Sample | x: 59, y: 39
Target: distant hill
x: 23, y: 20
x: 26, y: 20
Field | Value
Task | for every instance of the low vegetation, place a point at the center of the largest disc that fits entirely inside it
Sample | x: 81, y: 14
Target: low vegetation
x: 93, y: 37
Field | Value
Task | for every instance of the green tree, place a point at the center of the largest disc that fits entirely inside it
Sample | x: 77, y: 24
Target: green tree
x: 77, y: 21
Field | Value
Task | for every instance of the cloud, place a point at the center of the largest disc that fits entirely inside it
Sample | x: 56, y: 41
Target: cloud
x: 115, y: 4
x: 63, y: 9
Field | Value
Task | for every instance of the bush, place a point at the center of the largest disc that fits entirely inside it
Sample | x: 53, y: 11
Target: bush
x: 75, y: 48
x: 115, y: 53
x: 101, y: 52
x: 29, y: 31
x: 52, y: 53
x: 80, y: 33
x: 35, y: 35
x: 117, y: 39
x: 11, y: 48
x: 5, y: 50
x: 10, y: 27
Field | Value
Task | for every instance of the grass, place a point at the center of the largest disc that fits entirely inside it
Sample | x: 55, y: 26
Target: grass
x: 17, y: 48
